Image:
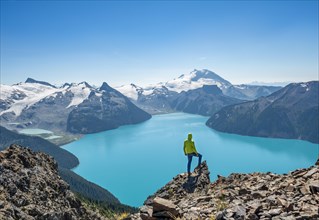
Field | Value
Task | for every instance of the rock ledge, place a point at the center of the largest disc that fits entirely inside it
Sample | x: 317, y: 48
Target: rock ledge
x: 238, y: 196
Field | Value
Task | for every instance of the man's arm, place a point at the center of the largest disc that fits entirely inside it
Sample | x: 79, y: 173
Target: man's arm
x: 184, y: 148
x: 195, y: 148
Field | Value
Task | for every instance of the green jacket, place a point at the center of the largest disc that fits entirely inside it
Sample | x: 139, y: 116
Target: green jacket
x: 189, y: 145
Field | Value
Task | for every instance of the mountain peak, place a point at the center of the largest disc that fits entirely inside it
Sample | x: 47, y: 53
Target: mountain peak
x: 207, y: 74
x: 106, y: 87
x: 66, y: 85
x: 30, y: 80
x: 85, y: 84
x: 196, y: 79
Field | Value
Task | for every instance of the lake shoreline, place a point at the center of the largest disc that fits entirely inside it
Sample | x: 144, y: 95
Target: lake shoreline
x: 111, y: 153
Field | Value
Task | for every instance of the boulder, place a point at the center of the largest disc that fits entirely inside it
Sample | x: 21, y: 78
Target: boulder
x: 164, y: 206
x: 314, y: 187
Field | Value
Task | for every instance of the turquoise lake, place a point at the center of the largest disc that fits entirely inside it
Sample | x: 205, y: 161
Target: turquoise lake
x: 134, y: 161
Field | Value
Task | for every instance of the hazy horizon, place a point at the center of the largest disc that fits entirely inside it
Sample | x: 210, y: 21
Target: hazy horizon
x: 151, y: 42
x: 259, y: 83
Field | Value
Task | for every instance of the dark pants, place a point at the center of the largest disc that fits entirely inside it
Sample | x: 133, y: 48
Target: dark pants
x: 190, y: 157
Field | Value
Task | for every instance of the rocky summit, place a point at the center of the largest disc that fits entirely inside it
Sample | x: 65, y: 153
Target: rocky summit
x: 238, y: 196
x: 30, y: 188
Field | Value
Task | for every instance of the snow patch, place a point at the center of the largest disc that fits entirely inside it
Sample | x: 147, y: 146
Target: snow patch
x: 242, y: 87
x: 186, y: 85
x: 131, y: 91
x: 80, y: 92
x: 34, y: 92
x: 6, y: 91
x: 196, y: 79
x: 34, y: 131
x: 53, y: 137
x: 304, y: 85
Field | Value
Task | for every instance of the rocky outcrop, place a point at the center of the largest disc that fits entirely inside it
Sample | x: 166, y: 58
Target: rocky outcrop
x: 238, y: 196
x: 165, y: 202
x: 30, y: 188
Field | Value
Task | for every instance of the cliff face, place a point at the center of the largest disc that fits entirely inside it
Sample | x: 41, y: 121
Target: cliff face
x: 238, y: 196
x: 30, y: 188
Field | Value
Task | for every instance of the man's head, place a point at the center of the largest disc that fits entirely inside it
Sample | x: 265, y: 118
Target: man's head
x: 190, y: 136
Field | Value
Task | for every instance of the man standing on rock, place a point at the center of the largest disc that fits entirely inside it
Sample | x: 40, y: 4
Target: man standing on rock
x: 190, y: 151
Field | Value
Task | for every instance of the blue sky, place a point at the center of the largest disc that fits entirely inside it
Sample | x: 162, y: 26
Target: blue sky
x: 149, y: 42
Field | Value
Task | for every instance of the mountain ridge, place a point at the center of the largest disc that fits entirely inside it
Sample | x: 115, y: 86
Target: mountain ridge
x: 203, y: 101
x: 31, y: 80
x: 104, y: 110
x: 37, y: 104
x: 197, y: 79
x: 291, y: 112
x: 161, y: 97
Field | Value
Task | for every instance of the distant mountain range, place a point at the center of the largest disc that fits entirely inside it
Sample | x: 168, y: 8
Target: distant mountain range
x: 82, y: 108
x: 197, y: 79
x: 291, y: 112
x: 161, y: 98
x: 70, y: 108
x: 259, y: 83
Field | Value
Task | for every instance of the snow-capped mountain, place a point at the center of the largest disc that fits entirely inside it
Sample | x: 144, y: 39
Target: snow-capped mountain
x: 193, y: 80
x: 41, y: 105
x: 153, y: 99
x: 104, y: 109
x: 159, y: 98
x: 197, y: 79
x: 22, y: 96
